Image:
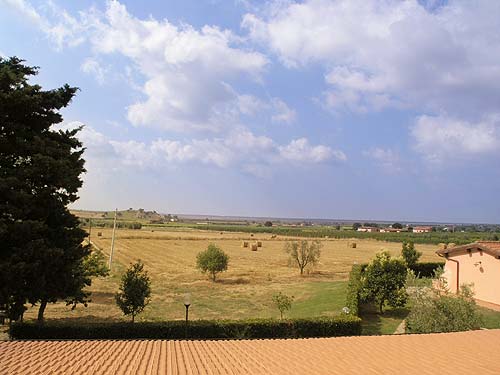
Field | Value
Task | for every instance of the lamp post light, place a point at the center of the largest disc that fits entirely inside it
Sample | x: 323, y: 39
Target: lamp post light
x: 187, y: 303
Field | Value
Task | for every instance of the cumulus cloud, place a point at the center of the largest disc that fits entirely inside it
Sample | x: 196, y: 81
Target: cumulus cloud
x: 93, y: 67
x: 387, y: 159
x: 430, y: 57
x: 59, y: 26
x: 282, y: 112
x: 188, y: 71
x: 380, y: 54
x: 440, y: 138
x: 241, y: 149
x: 300, y: 150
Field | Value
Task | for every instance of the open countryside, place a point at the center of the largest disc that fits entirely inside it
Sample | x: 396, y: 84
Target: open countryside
x: 244, y: 291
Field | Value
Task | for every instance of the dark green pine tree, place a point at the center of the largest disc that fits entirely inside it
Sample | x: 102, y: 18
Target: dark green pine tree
x: 41, y: 244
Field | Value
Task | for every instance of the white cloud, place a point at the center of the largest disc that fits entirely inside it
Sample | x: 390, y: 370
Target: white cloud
x: 387, y: 159
x: 93, y: 67
x: 282, y: 112
x: 59, y: 26
x: 188, y: 71
x: 428, y: 57
x: 299, y: 150
x: 442, y: 138
x: 241, y: 149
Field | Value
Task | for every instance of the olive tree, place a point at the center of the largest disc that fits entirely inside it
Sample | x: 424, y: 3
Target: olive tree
x: 135, y: 290
x: 383, y: 281
x: 212, y: 261
x: 303, y: 253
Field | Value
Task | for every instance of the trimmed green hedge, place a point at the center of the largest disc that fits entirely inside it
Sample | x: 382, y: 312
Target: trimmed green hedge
x: 426, y: 269
x: 199, y: 329
x: 354, y: 287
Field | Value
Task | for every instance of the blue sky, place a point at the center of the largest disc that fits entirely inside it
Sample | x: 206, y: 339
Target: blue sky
x: 359, y: 109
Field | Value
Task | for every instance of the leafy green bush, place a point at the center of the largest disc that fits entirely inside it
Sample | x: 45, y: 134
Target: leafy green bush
x: 354, y: 288
x: 426, y: 269
x: 384, y: 281
x: 198, y: 329
x: 438, y: 311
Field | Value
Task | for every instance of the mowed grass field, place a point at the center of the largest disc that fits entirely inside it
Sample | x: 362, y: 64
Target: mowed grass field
x: 244, y: 291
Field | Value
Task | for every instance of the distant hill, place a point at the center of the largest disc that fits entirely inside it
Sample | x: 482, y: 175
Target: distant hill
x: 129, y: 215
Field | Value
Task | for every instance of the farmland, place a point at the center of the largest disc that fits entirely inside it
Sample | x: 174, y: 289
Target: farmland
x: 244, y: 291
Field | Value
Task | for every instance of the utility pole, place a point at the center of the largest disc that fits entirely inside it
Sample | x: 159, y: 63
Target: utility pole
x: 90, y: 229
x: 112, y: 241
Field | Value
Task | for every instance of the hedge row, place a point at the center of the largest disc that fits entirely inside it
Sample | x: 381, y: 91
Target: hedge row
x: 354, y: 287
x: 200, y: 329
x: 426, y: 269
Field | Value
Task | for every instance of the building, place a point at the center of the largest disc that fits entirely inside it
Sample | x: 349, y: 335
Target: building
x: 477, y: 263
x: 422, y: 229
x: 368, y: 229
x: 391, y: 230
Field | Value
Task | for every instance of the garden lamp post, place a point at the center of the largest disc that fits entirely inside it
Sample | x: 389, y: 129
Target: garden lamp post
x: 187, y: 303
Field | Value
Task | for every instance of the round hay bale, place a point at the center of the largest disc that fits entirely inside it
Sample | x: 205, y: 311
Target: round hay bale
x: 451, y: 244
x: 273, y: 236
x: 259, y: 243
x: 251, y: 235
x: 254, y: 247
x: 443, y: 246
x: 354, y: 245
x: 244, y: 244
x: 99, y: 234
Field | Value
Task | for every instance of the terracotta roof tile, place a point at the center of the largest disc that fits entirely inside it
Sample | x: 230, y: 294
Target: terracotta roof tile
x: 493, y: 245
x: 473, y: 353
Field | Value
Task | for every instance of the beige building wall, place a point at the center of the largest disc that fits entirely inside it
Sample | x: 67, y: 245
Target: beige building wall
x: 478, y: 268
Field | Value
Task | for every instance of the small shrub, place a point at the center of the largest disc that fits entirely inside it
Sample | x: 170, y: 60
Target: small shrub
x: 438, y: 311
x: 283, y: 302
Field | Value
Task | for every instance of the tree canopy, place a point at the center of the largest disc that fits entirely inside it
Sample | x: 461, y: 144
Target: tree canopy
x: 383, y: 281
x: 213, y: 260
x: 410, y: 254
x: 42, y: 249
x: 303, y: 253
x: 135, y: 290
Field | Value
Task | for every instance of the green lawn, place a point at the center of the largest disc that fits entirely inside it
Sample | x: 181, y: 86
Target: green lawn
x: 491, y: 318
x: 318, y: 299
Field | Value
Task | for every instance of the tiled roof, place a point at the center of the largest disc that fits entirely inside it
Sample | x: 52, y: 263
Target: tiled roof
x: 447, y: 353
x: 492, y: 247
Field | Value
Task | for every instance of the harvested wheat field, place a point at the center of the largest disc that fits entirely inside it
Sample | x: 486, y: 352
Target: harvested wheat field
x: 244, y: 291
x: 444, y: 353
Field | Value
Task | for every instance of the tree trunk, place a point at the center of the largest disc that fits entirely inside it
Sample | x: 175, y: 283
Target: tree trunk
x: 213, y: 276
x: 41, y: 310
x: 301, y: 271
x: 381, y: 307
x: 133, y: 318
